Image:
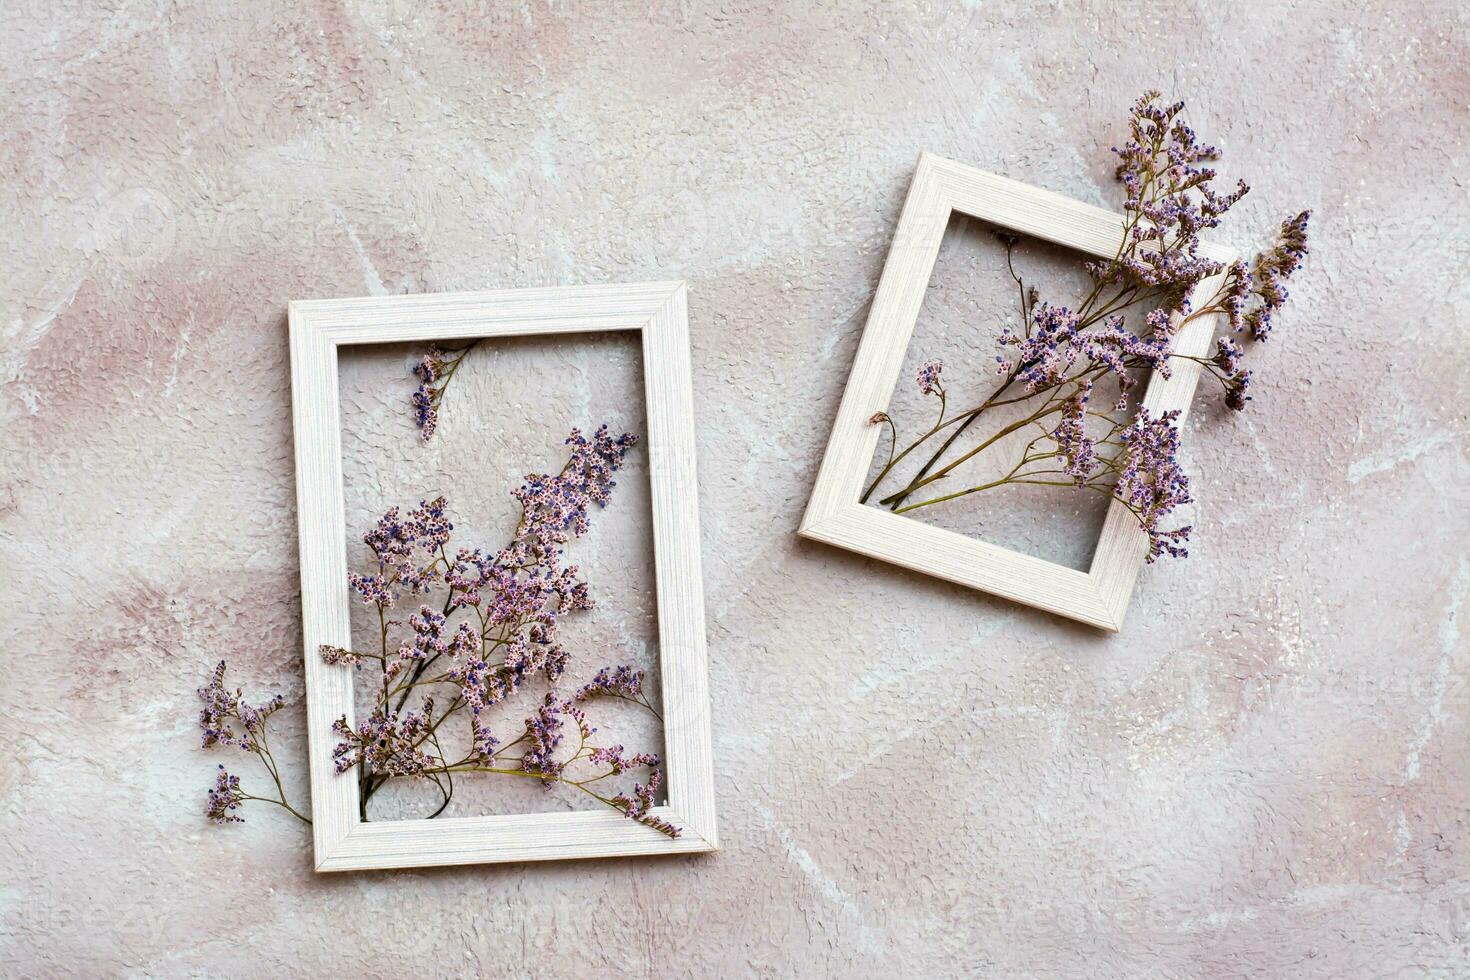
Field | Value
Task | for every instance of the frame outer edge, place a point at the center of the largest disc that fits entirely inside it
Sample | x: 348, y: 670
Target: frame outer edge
x: 308, y: 358
x: 338, y: 841
x: 828, y: 494
x: 658, y: 310
x: 688, y: 740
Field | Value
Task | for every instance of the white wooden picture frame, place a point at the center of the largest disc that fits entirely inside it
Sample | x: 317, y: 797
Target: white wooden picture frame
x: 658, y: 311
x: 1098, y: 596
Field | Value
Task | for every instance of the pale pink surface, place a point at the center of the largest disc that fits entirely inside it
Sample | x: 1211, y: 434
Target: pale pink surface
x: 1266, y: 773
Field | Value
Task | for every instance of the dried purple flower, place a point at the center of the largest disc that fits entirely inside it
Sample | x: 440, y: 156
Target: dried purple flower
x: 1169, y: 199
x: 338, y: 656
x: 1272, y: 269
x: 508, y: 605
x: 483, y: 741
x: 621, y: 682
x: 224, y: 798
x: 222, y: 706
x: 387, y: 743
x: 219, y: 706
x: 428, y: 628
x: 434, y: 371
x: 543, y: 731
x: 372, y: 589
x: 1060, y: 353
x: 252, y: 718
x: 1151, y: 481
x: 1227, y: 355
x: 1226, y: 366
x: 929, y: 378
x: 425, y: 415
x: 466, y: 641
x: 1114, y: 347
x: 406, y: 548
x: 1238, y: 283
x: 428, y: 368
x: 639, y: 805
x: 1058, y: 344
x: 223, y: 711
x: 1079, y: 453
x: 1235, y: 390
x: 555, y: 507
x: 1161, y: 325
x: 613, y: 757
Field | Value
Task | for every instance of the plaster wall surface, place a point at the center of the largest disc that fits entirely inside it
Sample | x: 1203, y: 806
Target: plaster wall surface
x: 1264, y: 774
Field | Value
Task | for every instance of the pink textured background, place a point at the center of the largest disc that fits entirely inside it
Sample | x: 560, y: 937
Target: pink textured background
x: 1266, y: 773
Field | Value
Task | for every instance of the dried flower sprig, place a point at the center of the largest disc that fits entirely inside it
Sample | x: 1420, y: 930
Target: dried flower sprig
x: 623, y: 683
x: 492, y: 630
x: 227, y: 720
x: 1057, y: 356
x: 435, y: 370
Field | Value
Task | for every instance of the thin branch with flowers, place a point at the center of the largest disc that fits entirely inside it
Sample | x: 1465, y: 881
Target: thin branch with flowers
x: 495, y: 629
x: 435, y: 370
x: 1056, y: 362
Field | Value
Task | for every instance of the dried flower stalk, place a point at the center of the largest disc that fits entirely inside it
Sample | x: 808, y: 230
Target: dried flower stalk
x: 1056, y: 360
x: 486, y: 627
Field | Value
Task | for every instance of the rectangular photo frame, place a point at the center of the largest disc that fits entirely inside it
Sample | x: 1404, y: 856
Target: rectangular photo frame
x: 658, y: 311
x: 834, y: 515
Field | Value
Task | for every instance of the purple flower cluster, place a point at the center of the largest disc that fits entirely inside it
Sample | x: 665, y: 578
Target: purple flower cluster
x: 1227, y: 355
x: 1273, y: 268
x: 1239, y: 284
x: 1250, y: 299
x: 483, y: 684
x: 1079, y: 452
x: 1060, y: 354
x: 1059, y: 342
x: 224, y: 798
x: 556, y: 506
x: 428, y: 632
x: 508, y: 605
x: 387, y: 742
x: 544, y: 733
x: 434, y: 371
x: 219, y: 707
x: 407, y: 552
x: 1116, y: 348
x: 1169, y: 198
x: 429, y: 370
x: 1237, y: 379
x: 622, y: 682
x: 224, y: 709
x: 425, y: 415
x: 929, y: 383
x: 228, y: 720
x: 639, y: 806
x: 612, y: 756
x: 339, y: 655
x: 495, y: 632
x: 1151, y: 481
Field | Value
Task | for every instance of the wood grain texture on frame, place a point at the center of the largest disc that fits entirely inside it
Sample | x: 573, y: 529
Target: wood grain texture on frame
x: 659, y: 312
x: 1099, y: 596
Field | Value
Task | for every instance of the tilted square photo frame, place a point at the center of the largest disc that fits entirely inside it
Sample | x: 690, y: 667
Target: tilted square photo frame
x: 1098, y: 596
x: 658, y: 311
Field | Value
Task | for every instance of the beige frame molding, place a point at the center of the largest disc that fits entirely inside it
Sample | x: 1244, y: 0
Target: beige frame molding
x: 1098, y: 596
x: 658, y: 311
